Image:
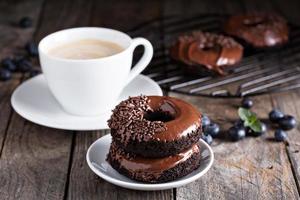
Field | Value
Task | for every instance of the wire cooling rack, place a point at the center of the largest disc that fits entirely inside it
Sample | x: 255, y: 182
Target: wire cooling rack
x: 260, y: 71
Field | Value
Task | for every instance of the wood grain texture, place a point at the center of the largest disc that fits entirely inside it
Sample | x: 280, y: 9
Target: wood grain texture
x: 35, y: 160
x: 255, y: 168
x: 12, y: 37
x: 5, y: 114
x: 288, y: 103
x: 12, y: 41
x: 84, y: 184
x: 59, y: 15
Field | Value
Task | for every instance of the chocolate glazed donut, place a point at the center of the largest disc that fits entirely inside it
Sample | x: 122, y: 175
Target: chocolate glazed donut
x: 261, y: 30
x: 154, y: 170
x: 210, y: 50
x: 155, y: 126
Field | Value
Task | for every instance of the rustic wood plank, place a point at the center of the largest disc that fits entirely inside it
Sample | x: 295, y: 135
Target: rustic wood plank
x: 289, y: 103
x: 12, y: 41
x: 255, y: 168
x: 35, y: 159
x: 63, y: 14
x: 5, y: 114
x: 124, y: 15
x: 83, y: 183
x: 12, y: 37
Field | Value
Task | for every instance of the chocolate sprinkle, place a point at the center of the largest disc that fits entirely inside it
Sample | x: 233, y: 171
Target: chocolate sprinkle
x: 129, y: 122
x: 210, y: 50
x: 206, y: 39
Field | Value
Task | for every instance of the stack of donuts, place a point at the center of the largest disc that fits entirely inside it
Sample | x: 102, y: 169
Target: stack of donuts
x: 216, y: 51
x: 155, y: 138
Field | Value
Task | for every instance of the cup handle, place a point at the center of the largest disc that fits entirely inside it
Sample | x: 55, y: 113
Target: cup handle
x: 144, y: 60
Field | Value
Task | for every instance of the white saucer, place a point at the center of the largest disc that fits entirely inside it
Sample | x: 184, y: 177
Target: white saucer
x: 96, y: 156
x: 34, y: 101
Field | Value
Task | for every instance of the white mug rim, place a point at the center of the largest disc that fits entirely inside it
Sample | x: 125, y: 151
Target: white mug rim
x: 42, y: 50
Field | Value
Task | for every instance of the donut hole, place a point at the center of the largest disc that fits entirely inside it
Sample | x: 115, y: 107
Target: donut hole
x: 159, y: 115
x: 212, y: 47
x: 254, y: 22
x: 207, y: 48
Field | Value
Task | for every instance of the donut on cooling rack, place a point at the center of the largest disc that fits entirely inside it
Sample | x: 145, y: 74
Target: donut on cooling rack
x: 261, y: 30
x: 154, y: 170
x: 155, y: 126
x: 213, y: 51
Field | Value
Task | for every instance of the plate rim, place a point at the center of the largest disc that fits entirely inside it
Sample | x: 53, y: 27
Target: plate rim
x: 148, y: 186
x: 58, y: 125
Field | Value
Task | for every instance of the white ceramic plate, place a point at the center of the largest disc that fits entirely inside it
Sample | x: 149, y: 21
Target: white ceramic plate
x: 34, y: 101
x: 96, y: 156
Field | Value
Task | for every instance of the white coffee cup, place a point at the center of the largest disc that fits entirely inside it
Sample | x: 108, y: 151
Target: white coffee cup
x: 91, y: 86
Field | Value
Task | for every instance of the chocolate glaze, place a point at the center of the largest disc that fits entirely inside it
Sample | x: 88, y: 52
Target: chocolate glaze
x: 186, y: 118
x: 180, y: 48
x: 154, y: 166
x: 258, y: 29
x: 129, y: 119
x: 210, y: 50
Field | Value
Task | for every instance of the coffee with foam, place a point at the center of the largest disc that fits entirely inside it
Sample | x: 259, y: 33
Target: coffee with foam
x: 86, y: 49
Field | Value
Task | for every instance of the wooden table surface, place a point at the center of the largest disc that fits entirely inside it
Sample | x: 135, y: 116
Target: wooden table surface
x: 43, y: 163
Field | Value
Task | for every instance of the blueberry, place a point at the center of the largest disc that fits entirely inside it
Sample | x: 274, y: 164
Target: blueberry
x: 288, y: 122
x: 25, y: 22
x: 249, y: 131
x: 9, y: 64
x: 237, y: 133
x: 24, y: 65
x: 5, y: 74
x: 247, y: 103
x: 34, y: 72
x: 207, y: 138
x: 275, y: 115
x: 32, y: 49
x: 212, y: 129
x: 239, y: 123
x: 205, y: 121
x: 263, y: 130
x: 280, y: 135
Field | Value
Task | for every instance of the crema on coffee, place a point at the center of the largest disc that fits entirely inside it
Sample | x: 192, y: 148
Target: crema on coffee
x: 86, y: 49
